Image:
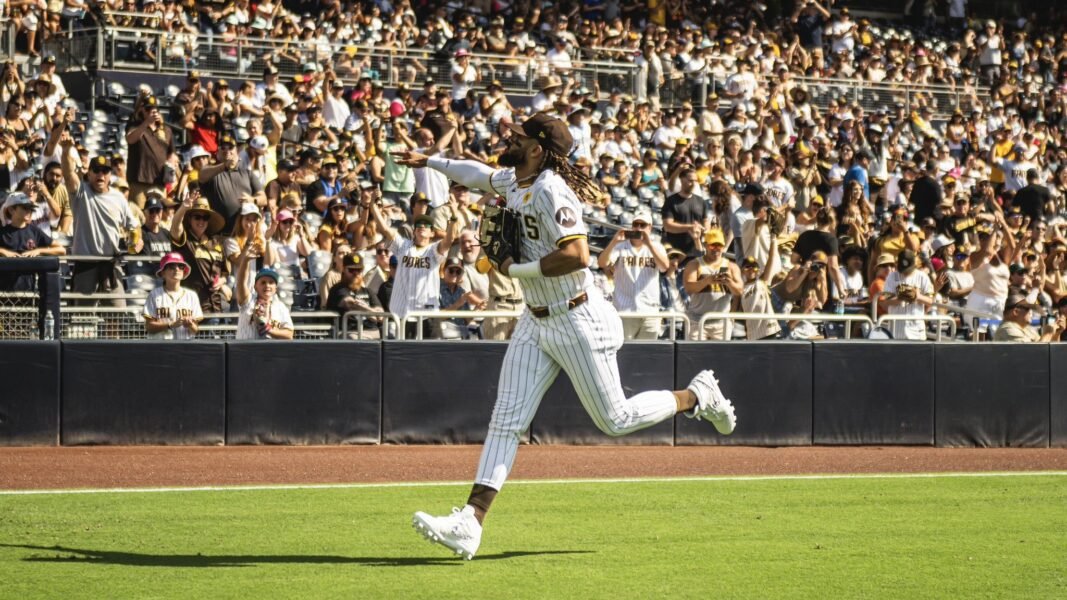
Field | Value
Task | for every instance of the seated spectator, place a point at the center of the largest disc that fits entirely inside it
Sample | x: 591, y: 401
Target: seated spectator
x: 21, y: 239
x: 351, y: 294
x: 454, y: 296
x: 263, y: 316
x: 1016, y: 325
x: 172, y: 312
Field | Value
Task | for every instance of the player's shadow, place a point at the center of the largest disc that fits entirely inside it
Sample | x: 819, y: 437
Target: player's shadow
x: 63, y: 554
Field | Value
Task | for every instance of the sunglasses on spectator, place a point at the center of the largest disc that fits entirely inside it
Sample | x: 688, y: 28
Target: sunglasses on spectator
x: 173, y: 267
x: 455, y: 271
x: 101, y: 170
x: 226, y: 146
x: 199, y: 217
x: 353, y: 270
x: 382, y: 251
x: 426, y: 225
x: 286, y: 222
x: 961, y: 203
x: 338, y: 208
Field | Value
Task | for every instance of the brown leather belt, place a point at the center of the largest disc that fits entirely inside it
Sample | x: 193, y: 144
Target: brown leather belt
x: 508, y: 300
x: 542, y: 311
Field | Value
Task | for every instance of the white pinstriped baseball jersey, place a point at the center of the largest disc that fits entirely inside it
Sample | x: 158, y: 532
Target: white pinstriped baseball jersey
x: 636, y: 278
x: 418, y: 278
x: 551, y: 215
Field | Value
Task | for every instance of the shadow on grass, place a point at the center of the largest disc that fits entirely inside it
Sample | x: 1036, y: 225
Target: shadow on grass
x: 63, y: 554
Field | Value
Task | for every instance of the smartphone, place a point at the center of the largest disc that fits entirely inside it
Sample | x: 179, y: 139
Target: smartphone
x: 633, y: 235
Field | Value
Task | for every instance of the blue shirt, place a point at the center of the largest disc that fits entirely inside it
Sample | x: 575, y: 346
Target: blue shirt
x: 858, y: 173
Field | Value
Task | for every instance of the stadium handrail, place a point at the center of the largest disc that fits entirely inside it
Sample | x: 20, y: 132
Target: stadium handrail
x: 360, y: 315
x: 925, y: 318
x: 820, y: 317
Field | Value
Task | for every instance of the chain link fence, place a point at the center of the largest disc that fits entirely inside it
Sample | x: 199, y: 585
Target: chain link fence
x: 18, y: 316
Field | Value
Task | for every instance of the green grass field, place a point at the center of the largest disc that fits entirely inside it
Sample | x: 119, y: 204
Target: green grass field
x: 958, y: 537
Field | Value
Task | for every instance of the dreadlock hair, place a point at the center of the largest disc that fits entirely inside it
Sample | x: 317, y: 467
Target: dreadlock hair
x: 584, y: 186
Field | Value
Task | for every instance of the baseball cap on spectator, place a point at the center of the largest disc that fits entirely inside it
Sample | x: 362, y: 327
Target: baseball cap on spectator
x: 286, y: 165
x: 100, y: 163
x: 267, y: 272
x: 270, y: 70
x: 172, y: 258
x: 15, y: 199
x: 353, y: 260
x: 906, y: 260
x: 818, y: 257
x: 643, y: 215
x: 1018, y: 299
x: 420, y: 197
x: 460, y: 53
x: 258, y: 142
x: 335, y: 203
x: 196, y: 151
x: 328, y: 160
x: 749, y: 262
x: 453, y: 261
x: 285, y: 215
x: 397, y: 108
x: 941, y: 241
x: 714, y: 237
x: 249, y: 208
x: 672, y: 251
x: 754, y: 189
x: 551, y: 133
x: 423, y: 221
x: 1017, y: 268
x: 226, y: 140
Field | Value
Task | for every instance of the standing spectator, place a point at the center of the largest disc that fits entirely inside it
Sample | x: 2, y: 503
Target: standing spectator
x: 908, y: 291
x: 227, y: 186
x: 172, y: 312
x: 464, y: 76
x: 1033, y: 199
x: 712, y: 282
x: 636, y: 260
x: 989, y: 267
x: 417, y: 283
x: 194, y: 232
x: 248, y: 228
x: 19, y: 238
x: 1016, y: 325
x: 289, y: 241
x: 263, y: 316
x: 756, y: 296
x: 101, y: 214
x: 151, y: 144
x: 53, y: 180
x: 156, y: 239
x: 685, y: 216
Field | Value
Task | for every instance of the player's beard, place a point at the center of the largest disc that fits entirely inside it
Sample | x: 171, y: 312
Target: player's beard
x: 513, y: 156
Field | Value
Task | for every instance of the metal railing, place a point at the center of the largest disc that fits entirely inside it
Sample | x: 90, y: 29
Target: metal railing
x: 926, y: 319
x: 973, y: 318
x: 815, y: 317
x: 389, y: 320
x: 422, y: 315
x: 673, y: 316
x: 153, y: 50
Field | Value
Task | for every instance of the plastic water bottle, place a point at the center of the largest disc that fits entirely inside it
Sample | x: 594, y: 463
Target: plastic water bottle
x: 49, y: 326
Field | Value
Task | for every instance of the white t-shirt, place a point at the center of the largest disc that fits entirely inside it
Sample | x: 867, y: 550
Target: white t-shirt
x: 417, y: 283
x: 636, y: 278
x: 467, y: 77
x: 431, y: 182
x: 274, y: 312
x: 854, y: 290
x: 169, y: 307
x: 756, y: 298
x: 779, y: 192
x: 909, y: 330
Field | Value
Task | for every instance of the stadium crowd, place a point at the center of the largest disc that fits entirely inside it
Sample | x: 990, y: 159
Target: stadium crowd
x: 733, y: 188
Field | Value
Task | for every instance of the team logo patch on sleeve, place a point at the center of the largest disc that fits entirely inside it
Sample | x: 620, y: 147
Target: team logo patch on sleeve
x: 566, y: 217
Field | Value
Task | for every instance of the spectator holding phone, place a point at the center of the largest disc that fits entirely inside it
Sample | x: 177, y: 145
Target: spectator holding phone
x: 712, y: 282
x: 171, y: 311
x: 263, y: 316
x: 636, y: 260
x: 151, y: 144
x: 1016, y: 325
x: 756, y: 296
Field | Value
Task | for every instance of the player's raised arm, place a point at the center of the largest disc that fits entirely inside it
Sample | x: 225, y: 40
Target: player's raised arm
x: 470, y: 173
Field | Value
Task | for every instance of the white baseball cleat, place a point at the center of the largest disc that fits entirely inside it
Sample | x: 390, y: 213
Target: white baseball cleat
x: 459, y: 531
x: 711, y: 404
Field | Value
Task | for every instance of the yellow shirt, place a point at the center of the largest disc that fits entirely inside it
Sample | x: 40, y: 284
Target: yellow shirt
x: 1000, y: 151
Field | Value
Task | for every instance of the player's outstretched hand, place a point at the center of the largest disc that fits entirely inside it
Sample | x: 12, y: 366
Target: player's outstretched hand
x: 410, y: 158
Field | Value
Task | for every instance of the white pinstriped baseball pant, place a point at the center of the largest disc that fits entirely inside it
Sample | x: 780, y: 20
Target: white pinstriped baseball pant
x: 583, y: 342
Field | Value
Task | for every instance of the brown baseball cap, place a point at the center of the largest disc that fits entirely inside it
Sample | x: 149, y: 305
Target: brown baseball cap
x: 550, y: 132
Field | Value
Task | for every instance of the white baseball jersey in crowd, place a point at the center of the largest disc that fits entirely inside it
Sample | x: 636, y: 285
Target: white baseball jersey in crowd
x: 583, y: 341
x: 275, y: 312
x: 636, y: 278
x: 418, y: 278
x: 169, y: 307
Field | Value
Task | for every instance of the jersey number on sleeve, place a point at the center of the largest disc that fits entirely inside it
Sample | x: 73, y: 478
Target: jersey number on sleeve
x: 532, y: 231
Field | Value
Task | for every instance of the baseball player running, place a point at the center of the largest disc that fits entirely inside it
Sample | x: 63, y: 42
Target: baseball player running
x: 567, y: 324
